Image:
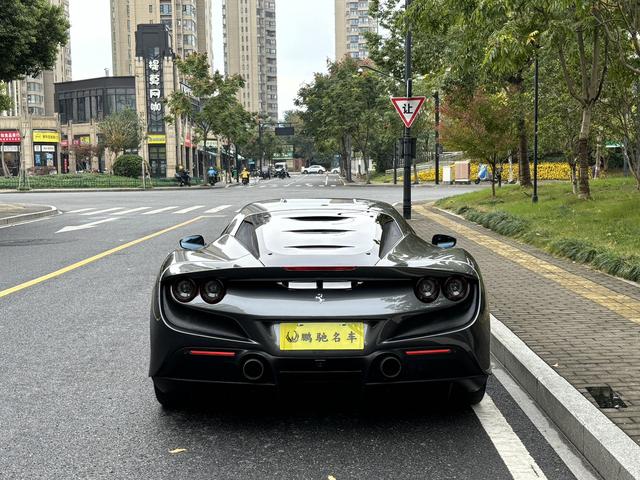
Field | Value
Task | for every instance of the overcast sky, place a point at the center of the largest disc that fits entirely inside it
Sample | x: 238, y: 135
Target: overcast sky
x: 305, y: 41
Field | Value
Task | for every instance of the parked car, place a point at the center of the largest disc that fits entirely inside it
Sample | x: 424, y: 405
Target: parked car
x: 336, y: 170
x: 319, y: 289
x: 313, y: 169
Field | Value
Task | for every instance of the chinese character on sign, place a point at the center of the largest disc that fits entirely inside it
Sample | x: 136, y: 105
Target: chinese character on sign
x: 155, y: 107
x: 306, y: 337
x: 154, y: 65
x: 154, y: 93
x: 336, y: 337
x: 154, y: 79
x: 352, y: 337
x: 321, y: 337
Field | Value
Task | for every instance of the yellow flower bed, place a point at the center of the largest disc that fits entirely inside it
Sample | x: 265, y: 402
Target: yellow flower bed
x: 546, y: 171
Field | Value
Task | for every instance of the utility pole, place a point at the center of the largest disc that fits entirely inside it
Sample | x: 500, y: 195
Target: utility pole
x: 406, y: 139
x: 436, y: 96
x: 260, y: 143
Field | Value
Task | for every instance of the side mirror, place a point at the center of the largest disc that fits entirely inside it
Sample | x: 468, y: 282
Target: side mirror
x: 443, y: 241
x: 192, y: 242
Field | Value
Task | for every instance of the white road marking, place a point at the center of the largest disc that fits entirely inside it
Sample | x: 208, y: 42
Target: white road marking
x: 159, y: 210
x: 326, y: 180
x: 565, y: 450
x: 308, y: 185
x: 190, y: 209
x: 107, y: 210
x: 514, y: 454
x: 218, y: 209
x: 133, y: 210
x: 334, y: 185
x: 81, y: 210
x: 85, y: 226
x: 262, y: 186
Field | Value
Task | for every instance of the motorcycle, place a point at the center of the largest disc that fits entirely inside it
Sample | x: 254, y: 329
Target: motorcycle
x: 184, y: 178
x: 212, y: 179
x: 282, y: 174
x: 245, y: 180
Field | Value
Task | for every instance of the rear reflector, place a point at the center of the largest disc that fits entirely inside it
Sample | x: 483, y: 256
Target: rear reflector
x: 319, y: 269
x: 435, y: 351
x: 209, y: 353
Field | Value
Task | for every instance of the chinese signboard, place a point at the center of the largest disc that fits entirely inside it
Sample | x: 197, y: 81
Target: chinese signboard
x: 156, y: 139
x: 46, y: 136
x: 321, y: 336
x: 10, y: 136
x: 155, y: 94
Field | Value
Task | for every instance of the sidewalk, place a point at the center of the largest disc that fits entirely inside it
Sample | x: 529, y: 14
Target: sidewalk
x: 582, y: 323
x: 19, y: 212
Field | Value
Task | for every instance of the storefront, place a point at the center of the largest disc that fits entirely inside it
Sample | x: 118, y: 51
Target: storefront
x: 10, y: 141
x: 45, y: 150
x: 157, y: 155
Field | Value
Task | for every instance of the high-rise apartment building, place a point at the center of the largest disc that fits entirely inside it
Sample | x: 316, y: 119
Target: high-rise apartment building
x: 35, y: 95
x: 250, y: 50
x: 352, y: 21
x: 189, y: 22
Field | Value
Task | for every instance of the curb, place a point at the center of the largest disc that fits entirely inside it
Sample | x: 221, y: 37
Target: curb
x: 611, y: 452
x: 30, y: 216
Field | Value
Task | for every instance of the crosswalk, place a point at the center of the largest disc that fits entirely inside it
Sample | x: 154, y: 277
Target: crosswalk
x: 169, y: 210
x: 293, y: 184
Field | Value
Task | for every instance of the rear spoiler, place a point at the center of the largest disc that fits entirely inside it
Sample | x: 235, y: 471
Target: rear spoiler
x: 311, y: 273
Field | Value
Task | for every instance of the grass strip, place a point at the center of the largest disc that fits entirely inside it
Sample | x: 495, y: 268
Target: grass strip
x: 603, y: 233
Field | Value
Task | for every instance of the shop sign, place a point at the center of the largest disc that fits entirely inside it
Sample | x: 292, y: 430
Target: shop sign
x: 83, y: 140
x: 48, y: 148
x: 37, y: 148
x: 10, y: 148
x: 156, y: 139
x: 10, y: 136
x: 46, y: 136
x: 155, y: 94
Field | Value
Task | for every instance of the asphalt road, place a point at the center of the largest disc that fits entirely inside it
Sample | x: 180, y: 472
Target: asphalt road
x: 75, y: 400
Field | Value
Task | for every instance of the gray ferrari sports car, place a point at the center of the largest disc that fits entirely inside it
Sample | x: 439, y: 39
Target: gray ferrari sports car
x: 314, y: 290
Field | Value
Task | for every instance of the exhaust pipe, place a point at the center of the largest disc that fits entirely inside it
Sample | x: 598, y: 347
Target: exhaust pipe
x: 253, y: 369
x: 390, y: 367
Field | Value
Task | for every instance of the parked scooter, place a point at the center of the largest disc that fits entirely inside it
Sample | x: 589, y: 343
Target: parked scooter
x: 282, y: 173
x: 484, y: 175
x: 184, y: 178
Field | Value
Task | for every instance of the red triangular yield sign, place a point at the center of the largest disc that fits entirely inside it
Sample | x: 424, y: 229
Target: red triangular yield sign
x: 408, y: 108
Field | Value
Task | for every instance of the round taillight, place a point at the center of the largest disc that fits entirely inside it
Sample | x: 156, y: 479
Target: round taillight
x: 212, y: 291
x: 456, y: 288
x: 427, y: 289
x: 184, y: 290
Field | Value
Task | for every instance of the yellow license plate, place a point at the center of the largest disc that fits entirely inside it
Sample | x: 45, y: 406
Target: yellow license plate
x: 322, y: 336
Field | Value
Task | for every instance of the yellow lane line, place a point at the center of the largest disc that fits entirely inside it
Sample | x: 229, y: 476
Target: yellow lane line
x: 89, y: 260
x: 623, y: 305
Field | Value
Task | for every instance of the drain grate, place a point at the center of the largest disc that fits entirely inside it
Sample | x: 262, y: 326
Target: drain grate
x: 606, y: 397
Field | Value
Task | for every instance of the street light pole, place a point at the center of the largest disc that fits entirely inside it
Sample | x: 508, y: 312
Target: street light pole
x: 534, y: 198
x: 260, y: 142
x: 436, y: 96
x: 406, y: 141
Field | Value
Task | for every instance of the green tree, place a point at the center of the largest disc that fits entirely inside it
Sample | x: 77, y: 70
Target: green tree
x: 482, y: 127
x: 344, y: 108
x: 122, y: 131
x: 31, y: 31
x: 211, y: 99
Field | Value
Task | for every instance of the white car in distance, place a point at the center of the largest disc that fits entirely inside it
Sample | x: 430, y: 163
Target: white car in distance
x: 313, y: 169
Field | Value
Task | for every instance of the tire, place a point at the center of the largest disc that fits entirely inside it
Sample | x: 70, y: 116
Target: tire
x: 477, y: 181
x: 171, y: 399
x: 304, y: 172
x: 466, y: 398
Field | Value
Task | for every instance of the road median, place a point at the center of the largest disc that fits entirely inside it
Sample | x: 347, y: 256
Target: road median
x: 12, y: 213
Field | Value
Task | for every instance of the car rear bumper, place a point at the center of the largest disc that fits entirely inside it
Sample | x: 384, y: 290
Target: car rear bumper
x: 461, y: 357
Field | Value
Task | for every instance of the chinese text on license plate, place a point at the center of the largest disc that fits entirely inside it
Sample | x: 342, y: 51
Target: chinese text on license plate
x: 322, y: 336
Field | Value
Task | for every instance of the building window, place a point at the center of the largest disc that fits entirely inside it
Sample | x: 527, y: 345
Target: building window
x: 150, y: 8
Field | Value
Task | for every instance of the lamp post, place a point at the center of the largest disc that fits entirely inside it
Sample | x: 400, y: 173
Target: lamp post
x: 534, y: 197
x: 406, y: 139
x: 436, y: 97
